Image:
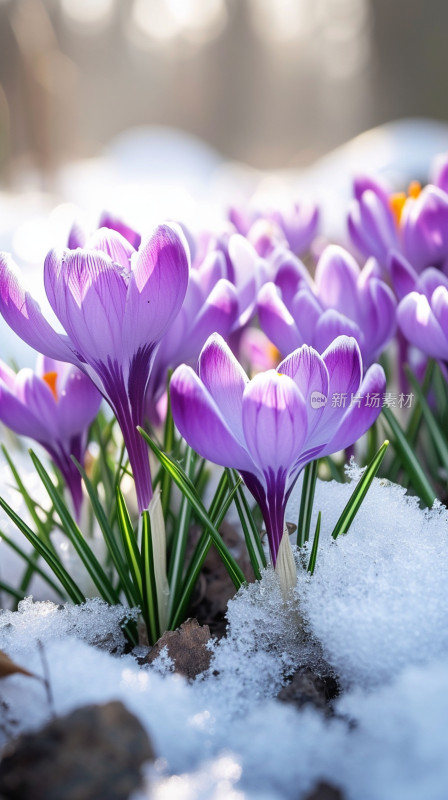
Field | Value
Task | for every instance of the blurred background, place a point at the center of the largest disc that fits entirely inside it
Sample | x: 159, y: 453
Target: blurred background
x: 272, y: 83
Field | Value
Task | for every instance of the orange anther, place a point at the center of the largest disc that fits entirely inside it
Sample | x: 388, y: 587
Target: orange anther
x: 50, y: 379
x: 414, y: 189
x: 396, y: 203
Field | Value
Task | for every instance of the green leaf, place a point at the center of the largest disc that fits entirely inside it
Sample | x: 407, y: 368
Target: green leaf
x: 414, y: 423
x: 357, y: 497
x: 313, y: 555
x: 88, y: 558
x: 29, y: 502
x: 251, y: 533
x: 436, y: 433
x: 306, y: 502
x: 29, y: 560
x: 409, y: 459
x: 110, y: 540
x: 130, y: 546
x: 150, y: 605
x: 4, y: 587
x: 48, y: 555
x: 180, y: 537
x: 197, y: 561
x: 187, y: 488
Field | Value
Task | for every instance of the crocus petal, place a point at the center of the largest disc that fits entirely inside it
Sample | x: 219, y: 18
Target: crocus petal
x: 76, y: 237
x: 157, y: 286
x: 274, y: 421
x: 306, y: 311
x: 88, y: 295
x: 7, y: 375
x: 24, y: 316
x: 211, y: 270
x: 276, y: 321
x: 290, y: 275
x: 20, y: 419
x: 201, y: 423
x: 218, y: 314
x: 78, y: 402
x: 425, y: 229
x: 420, y: 327
x: 38, y: 398
x: 429, y: 280
x: 372, y: 227
x: 249, y: 273
x: 113, y: 244
x: 344, y: 364
x: 364, y: 183
x: 404, y: 278
x: 307, y: 369
x: 358, y: 419
x: 109, y: 221
x: 336, y: 280
x: 225, y: 380
x: 332, y: 324
x: 379, y: 311
x: 439, y: 305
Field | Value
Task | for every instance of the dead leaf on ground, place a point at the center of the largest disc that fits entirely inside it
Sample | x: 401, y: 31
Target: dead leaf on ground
x: 187, y: 646
x: 9, y: 667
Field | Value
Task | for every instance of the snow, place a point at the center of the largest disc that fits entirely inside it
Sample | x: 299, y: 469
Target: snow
x: 376, y: 610
x: 378, y: 601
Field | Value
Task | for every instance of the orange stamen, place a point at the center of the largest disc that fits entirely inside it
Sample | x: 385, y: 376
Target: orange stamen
x: 274, y: 355
x: 50, y: 379
x: 396, y: 204
x: 414, y: 189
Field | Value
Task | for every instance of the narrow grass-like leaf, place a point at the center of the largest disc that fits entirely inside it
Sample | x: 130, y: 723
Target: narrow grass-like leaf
x: 306, y: 502
x: 195, y: 566
x: 179, y: 541
x: 354, y: 503
x: 110, y: 539
x: 168, y: 444
x: 187, y: 488
x: 48, y: 555
x: 441, y: 394
x: 254, y: 528
x: 88, y: 558
x: 150, y: 606
x: 435, y: 431
x: 336, y: 472
x: 29, y: 560
x: 129, y: 543
x: 313, y: 554
x: 103, y: 435
x: 29, y: 502
x: 413, y: 425
x: 250, y: 536
x: 409, y: 460
x: 15, y: 593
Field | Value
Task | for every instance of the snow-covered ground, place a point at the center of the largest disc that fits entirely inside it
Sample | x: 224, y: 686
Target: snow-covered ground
x: 377, y: 610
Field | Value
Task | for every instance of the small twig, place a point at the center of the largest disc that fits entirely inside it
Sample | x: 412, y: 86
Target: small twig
x: 46, y: 677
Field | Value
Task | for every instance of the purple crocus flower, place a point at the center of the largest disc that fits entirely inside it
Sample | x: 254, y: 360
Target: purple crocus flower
x: 78, y: 237
x: 114, y: 304
x: 269, y: 427
x: 211, y: 304
x: 414, y: 225
x: 292, y: 224
x: 55, y: 406
x: 371, y: 222
x: 343, y: 300
x: 423, y: 315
